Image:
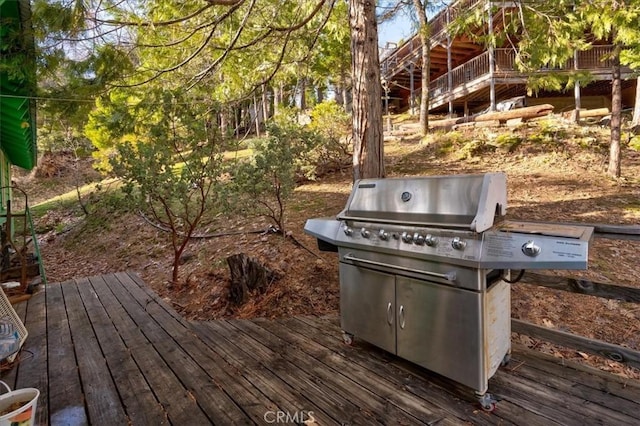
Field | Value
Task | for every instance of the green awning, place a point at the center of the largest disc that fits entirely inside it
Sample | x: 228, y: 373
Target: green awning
x: 17, y: 84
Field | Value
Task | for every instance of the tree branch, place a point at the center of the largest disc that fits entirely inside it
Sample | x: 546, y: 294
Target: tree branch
x: 201, y: 75
x: 303, y: 22
x: 161, y: 23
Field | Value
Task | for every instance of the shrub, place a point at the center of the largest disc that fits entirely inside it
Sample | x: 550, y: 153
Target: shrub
x: 170, y: 165
x: 266, y: 180
x: 507, y: 141
x: 333, y: 125
x: 548, y: 134
x: 318, y: 147
x: 474, y: 148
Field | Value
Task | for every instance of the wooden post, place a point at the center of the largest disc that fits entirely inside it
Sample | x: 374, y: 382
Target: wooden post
x: 492, y: 64
x: 257, y: 115
x: 576, y: 90
x: 265, y: 103
x: 449, y: 65
x: 412, y: 95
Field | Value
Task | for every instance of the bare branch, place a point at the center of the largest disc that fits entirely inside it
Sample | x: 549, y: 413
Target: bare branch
x: 390, y: 13
x: 224, y: 2
x: 304, y: 22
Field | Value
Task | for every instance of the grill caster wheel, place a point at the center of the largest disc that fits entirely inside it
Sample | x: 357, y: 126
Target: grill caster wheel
x: 347, y: 338
x: 488, y: 408
x: 506, y: 360
x: 487, y: 402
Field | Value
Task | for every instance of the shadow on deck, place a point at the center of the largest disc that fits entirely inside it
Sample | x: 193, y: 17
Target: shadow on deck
x: 107, y: 350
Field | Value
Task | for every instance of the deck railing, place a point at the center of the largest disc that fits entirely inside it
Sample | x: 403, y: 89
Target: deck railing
x: 598, y: 57
x: 594, y: 59
x: 465, y: 73
x: 439, y: 23
x: 437, y: 26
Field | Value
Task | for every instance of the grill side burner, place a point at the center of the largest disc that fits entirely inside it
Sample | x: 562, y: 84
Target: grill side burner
x: 423, y: 269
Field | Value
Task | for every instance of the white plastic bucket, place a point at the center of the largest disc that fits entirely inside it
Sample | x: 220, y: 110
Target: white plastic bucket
x: 24, y: 412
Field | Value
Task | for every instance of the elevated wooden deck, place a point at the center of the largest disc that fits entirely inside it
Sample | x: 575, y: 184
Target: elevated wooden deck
x: 107, y: 350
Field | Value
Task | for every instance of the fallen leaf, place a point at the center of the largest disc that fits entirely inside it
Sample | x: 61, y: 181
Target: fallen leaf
x: 547, y: 323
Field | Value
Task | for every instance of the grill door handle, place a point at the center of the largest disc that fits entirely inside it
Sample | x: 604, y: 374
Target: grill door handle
x: 401, y: 316
x: 449, y: 276
x: 389, y: 314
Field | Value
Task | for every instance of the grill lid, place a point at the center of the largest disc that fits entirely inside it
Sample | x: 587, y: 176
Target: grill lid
x: 456, y: 201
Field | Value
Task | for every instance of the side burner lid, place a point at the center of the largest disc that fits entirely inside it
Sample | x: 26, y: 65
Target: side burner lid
x: 460, y: 201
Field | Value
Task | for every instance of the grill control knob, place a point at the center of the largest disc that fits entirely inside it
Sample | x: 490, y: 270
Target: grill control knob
x: 458, y: 243
x: 430, y: 240
x: 407, y: 237
x: 531, y: 249
x: 348, y: 231
x: 383, y: 235
x: 418, y: 239
x: 365, y: 233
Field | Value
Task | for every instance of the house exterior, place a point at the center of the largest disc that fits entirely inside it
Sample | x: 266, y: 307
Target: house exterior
x: 17, y: 87
x: 17, y: 139
x: 466, y: 77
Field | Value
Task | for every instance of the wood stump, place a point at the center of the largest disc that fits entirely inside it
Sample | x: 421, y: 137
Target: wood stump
x: 248, y: 276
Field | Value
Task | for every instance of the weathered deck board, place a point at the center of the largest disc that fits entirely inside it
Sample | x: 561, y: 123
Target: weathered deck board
x: 66, y: 400
x: 32, y: 368
x: 102, y: 400
x: 138, y: 328
x: 377, y: 410
x: 138, y: 400
x: 199, y: 369
x: 624, y: 411
x: 108, y: 350
x: 420, y: 392
x: 325, y: 396
x: 242, y: 363
x: 300, y: 383
x: 381, y: 392
x: 412, y: 378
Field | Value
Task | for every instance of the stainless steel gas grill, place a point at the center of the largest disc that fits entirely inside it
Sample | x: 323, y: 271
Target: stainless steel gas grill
x: 425, y: 264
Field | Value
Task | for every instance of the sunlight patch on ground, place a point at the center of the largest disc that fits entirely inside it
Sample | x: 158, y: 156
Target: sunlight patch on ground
x: 113, y: 183
x: 632, y: 212
x: 338, y: 187
x: 107, y: 184
x: 242, y: 153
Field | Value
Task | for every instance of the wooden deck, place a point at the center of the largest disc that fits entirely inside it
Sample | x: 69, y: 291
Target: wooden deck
x: 107, y: 351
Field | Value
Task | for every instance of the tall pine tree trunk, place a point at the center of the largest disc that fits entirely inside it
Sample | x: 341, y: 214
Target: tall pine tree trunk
x: 345, y: 98
x: 224, y: 121
x: 368, y: 153
x: 426, y: 65
x: 616, y: 115
x: 302, y: 84
x: 277, y: 98
x: 319, y: 94
x: 265, y: 103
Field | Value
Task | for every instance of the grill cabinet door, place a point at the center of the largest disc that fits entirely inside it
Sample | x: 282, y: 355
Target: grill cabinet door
x: 367, y: 305
x: 440, y: 328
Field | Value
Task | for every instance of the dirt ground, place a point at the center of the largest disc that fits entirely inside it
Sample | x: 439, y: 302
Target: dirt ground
x: 562, y: 181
